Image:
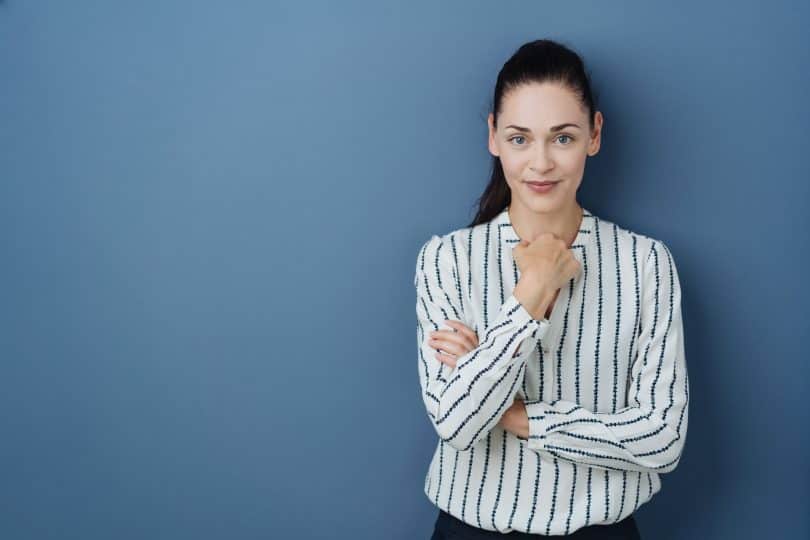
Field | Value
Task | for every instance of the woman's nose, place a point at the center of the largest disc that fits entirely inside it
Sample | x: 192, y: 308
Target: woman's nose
x: 541, y: 162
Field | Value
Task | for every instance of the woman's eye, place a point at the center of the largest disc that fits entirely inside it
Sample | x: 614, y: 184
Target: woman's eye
x: 517, y: 137
x: 565, y: 137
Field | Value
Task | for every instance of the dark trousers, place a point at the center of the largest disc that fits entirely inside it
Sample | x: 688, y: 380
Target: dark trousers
x: 448, y: 527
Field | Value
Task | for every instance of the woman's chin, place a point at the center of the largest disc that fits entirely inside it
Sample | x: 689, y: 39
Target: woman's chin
x: 547, y: 205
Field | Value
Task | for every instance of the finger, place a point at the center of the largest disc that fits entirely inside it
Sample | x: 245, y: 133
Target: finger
x: 449, y: 346
x: 451, y: 336
x: 446, y: 359
x: 464, y: 329
x: 454, y: 343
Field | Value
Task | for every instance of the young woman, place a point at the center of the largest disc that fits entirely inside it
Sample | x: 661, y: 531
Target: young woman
x: 551, y: 347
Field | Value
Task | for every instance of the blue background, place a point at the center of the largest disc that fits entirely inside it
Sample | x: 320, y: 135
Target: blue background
x: 210, y: 218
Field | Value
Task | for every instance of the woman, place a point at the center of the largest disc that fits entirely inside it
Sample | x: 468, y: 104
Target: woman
x: 551, y: 347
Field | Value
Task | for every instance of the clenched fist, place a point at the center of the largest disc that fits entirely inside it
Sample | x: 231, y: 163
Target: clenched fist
x: 546, y: 264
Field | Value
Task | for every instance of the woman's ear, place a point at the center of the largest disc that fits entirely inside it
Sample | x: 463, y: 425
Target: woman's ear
x: 493, y: 147
x: 595, y: 140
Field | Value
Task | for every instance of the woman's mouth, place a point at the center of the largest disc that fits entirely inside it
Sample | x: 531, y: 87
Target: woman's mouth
x: 542, y: 187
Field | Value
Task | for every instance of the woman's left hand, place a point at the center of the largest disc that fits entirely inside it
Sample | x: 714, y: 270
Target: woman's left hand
x: 452, y: 344
x: 515, y: 419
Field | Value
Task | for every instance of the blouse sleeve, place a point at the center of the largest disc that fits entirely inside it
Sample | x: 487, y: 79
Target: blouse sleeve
x: 649, y: 434
x: 466, y: 401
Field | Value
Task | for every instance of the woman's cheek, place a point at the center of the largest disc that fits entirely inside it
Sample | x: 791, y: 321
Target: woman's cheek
x: 512, y: 169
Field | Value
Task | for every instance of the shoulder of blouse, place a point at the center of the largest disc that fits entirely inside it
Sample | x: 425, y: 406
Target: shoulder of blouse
x: 625, y: 237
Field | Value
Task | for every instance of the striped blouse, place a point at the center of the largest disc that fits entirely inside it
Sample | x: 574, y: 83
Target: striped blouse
x: 603, y: 379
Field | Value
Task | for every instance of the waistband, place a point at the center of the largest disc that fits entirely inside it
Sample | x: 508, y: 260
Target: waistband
x: 625, y: 529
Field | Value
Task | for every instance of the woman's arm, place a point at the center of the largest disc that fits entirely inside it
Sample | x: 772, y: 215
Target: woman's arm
x: 647, y: 435
x: 466, y: 401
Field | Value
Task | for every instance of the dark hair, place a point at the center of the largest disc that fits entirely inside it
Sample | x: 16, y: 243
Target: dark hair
x: 538, y: 61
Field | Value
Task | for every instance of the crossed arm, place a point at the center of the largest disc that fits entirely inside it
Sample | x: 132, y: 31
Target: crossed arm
x: 467, y: 400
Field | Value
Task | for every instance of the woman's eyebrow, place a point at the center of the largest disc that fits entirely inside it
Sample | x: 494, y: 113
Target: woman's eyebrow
x: 551, y: 129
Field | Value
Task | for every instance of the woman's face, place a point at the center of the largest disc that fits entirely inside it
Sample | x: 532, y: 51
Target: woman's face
x: 543, y: 134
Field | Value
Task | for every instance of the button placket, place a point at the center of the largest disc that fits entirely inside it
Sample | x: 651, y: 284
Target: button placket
x: 550, y: 342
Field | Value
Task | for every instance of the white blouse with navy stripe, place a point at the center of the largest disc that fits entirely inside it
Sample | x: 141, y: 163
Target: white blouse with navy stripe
x: 604, y: 379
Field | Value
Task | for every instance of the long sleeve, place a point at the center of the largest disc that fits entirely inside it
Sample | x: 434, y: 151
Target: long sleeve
x: 649, y: 434
x: 465, y: 402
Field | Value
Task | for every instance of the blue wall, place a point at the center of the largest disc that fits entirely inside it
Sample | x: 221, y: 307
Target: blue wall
x: 210, y: 218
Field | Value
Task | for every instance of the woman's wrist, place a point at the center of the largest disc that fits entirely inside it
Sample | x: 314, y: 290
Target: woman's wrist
x: 535, y: 299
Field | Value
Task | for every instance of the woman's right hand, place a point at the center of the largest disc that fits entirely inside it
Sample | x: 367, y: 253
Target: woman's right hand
x: 546, y: 264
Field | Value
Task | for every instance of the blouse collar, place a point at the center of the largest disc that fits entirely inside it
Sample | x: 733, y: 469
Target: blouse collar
x: 509, y: 238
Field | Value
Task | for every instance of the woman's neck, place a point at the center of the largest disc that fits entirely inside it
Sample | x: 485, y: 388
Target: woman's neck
x: 529, y: 225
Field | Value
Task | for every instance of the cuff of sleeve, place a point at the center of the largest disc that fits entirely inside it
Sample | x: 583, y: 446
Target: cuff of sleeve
x: 521, y: 317
x: 539, y: 422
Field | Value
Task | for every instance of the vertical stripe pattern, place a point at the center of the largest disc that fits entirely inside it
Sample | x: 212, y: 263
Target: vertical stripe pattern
x: 603, y: 379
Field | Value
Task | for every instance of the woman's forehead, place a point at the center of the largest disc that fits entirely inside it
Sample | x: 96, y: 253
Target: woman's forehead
x: 541, y: 106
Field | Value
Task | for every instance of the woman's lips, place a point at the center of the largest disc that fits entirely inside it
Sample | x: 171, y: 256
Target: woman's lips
x: 542, y: 187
